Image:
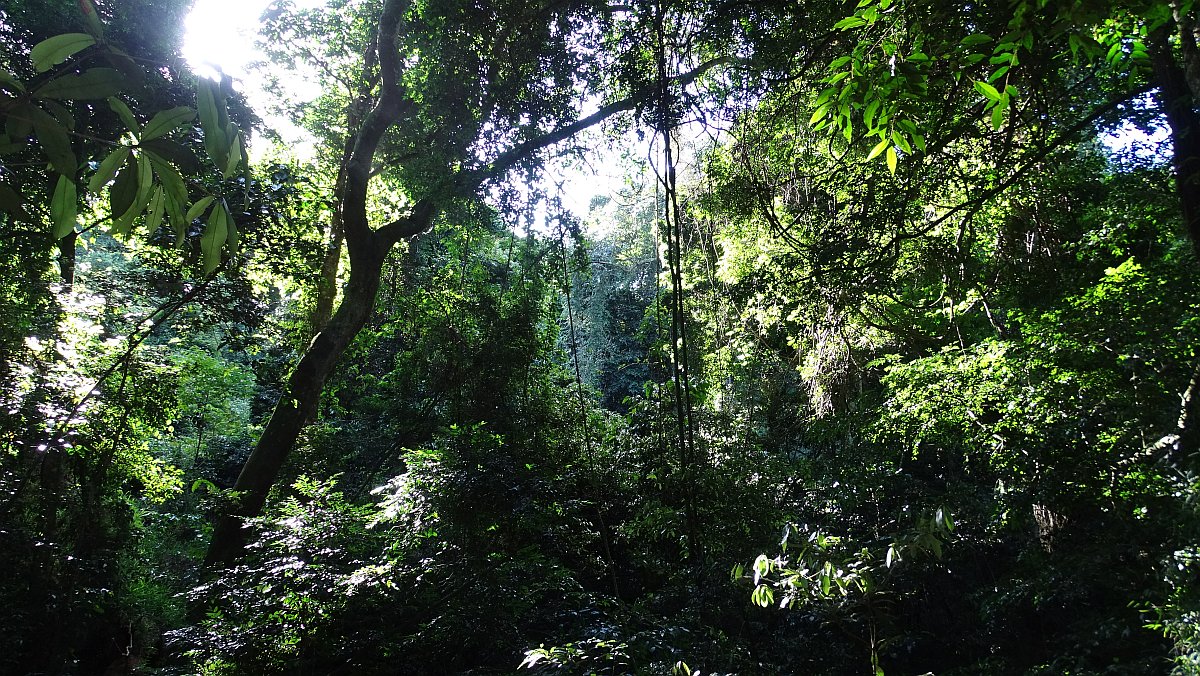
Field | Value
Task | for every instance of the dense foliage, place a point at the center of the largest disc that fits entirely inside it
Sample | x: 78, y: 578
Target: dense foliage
x: 885, y: 361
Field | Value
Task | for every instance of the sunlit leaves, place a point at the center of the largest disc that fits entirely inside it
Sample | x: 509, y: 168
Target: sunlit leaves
x: 140, y: 171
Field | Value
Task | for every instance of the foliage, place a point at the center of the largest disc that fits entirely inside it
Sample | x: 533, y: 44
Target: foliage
x: 904, y: 304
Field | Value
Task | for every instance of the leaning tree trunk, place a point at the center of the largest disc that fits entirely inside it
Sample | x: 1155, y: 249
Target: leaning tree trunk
x: 296, y: 405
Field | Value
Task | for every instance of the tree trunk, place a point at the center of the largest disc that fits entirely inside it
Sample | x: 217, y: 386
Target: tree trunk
x: 1178, y: 104
x: 296, y: 405
x: 327, y: 282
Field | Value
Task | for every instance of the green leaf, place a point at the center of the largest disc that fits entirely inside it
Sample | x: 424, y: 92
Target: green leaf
x: 55, y: 141
x: 997, y: 117
x: 849, y: 22
x: 210, y: 122
x: 176, y: 218
x: 839, y: 62
x: 234, y: 155
x: 198, y: 208
x: 878, y: 149
x: 170, y: 177
x: 154, y: 215
x: 108, y: 169
x: 820, y: 113
x: 166, y: 121
x: 61, y: 114
x: 892, y: 160
x: 93, y: 20
x: 976, y: 39
x: 63, y: 207
x: 869, y: 114
x: 987, y: 90
x: 169, y: 151
x: 762, y: 596
x: 145, y: 177
x: 124, y: 191
x: 8, y: 80
x: 94, y: 83
x: 121, y: 226
x: 53, y: 51
x: 20, y: 121
x: 213, y: 239
x: 125, y: 114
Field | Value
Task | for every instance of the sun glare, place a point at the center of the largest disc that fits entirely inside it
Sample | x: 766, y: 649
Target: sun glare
x: 220, y: 36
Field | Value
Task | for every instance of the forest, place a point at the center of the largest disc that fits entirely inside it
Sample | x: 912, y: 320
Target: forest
x: 882, y: 358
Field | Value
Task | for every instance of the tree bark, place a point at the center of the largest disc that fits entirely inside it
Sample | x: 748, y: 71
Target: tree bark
x: 296, y: 405
x: 1178, y: 103
x: 327, y: 281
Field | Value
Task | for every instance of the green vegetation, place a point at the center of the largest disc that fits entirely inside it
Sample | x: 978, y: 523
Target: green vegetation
x: 889, y: 367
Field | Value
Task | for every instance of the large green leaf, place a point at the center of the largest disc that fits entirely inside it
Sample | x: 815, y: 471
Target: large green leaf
x: 18, y: 121
x: 213, y: 239
x: 145, y: 180
x: 60, y: 113
x: 169, y: 151
x: 166, y: 121
x: 170, y: 178
x: 124, y: 191
x: 155, y: 211
x: 108, y: 168
x: 8, y: 80
x: 63, y: 207
x: 198, y: 208
x: 125, y: 114
x: 94, y: 83
x: 55, y: 141
x: 215, y: 141
x: 234, y: 154
x: 93, y: 20
x: 53, y: 51
x: 176, y: 218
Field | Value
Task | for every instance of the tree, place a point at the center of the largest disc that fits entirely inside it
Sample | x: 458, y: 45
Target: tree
x: 450, y: 111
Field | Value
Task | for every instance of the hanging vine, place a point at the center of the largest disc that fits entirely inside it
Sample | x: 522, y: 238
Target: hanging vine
x: 672, y: 232
x: 585, y: 422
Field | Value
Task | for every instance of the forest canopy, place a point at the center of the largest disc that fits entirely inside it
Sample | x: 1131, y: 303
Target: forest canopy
x: 882, y: 358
